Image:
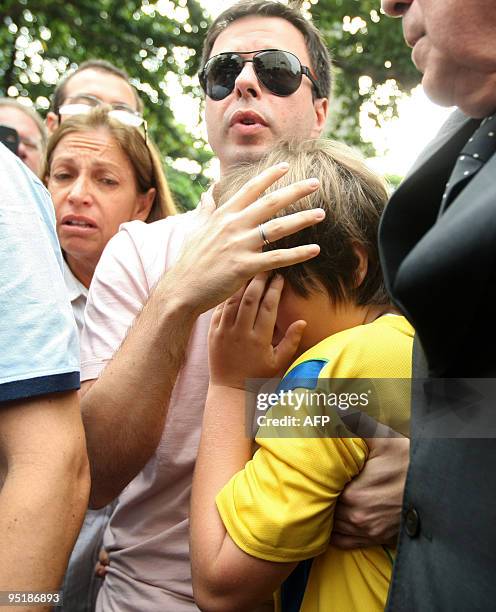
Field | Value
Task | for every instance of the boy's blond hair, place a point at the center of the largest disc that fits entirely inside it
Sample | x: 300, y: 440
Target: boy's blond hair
x: 353, y: 197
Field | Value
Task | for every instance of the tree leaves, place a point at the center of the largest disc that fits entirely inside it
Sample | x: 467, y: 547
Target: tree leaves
x: 40, y: 40
x: 364, y: 43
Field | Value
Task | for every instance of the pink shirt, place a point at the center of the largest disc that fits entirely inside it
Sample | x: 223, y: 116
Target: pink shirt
x: 147, y: 536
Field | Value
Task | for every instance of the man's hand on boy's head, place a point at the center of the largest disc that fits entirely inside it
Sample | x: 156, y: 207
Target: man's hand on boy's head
x: 369, y: 509
x: 241, y: 331
x: 226, y: 251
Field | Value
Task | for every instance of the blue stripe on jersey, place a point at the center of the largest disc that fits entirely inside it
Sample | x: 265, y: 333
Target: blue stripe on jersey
x: 303, y: 376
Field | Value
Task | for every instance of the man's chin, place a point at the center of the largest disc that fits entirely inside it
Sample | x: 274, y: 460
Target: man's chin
x: 438, y: 90
x: 246, y: 154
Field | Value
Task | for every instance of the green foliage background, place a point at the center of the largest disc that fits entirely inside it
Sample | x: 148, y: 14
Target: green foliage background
x: 376, y: 50
x: 141, y: 38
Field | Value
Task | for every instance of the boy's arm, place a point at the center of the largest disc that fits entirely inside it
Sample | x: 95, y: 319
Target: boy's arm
x: 255, y: 520
x: 240, y: 348
x: 231, y: 579
x: 263, y: 541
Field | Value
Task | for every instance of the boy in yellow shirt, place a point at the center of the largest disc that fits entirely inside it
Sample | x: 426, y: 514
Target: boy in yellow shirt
x: 254, y: 519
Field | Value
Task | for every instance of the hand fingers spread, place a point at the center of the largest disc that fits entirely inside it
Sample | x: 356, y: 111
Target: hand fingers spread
x: 255, y: 187
x: 267, y: 206
x: 250, y: 303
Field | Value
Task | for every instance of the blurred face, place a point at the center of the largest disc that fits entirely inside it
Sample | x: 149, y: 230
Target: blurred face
x: 93, y: 188
x: 108, y: 87
x: 324, y: 318
x: 453, y: 46
x: 245, y: 124
x: 30, y: 147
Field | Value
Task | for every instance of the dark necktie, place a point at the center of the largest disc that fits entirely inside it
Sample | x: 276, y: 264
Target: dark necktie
x: 479, y: 149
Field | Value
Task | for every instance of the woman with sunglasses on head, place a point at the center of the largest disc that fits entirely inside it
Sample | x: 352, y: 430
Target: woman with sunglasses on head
x: 101, y: 172
x: 83, y: 103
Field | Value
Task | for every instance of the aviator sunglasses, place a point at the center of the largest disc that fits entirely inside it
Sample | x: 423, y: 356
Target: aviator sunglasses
x: 83, y: 104
x: 279, y: 71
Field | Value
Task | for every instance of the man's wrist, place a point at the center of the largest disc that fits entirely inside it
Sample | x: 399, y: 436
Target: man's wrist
x: 175, y: 301
x: 379, y: 446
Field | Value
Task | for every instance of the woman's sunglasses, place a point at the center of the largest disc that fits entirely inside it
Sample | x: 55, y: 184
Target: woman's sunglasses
x: 279, y: 71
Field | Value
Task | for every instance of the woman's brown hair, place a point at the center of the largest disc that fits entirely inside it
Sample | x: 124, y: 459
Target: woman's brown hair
x: 143, y: 156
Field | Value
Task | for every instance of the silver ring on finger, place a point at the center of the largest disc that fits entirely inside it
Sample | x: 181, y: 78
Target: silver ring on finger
x: 263, y: 236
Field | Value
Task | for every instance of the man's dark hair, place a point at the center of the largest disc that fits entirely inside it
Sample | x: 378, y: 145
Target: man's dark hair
x: 319, y: 54
x: 100, y: 65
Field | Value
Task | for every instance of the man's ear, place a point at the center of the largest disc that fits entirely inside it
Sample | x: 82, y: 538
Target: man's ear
x: 144, y: 204
x: 363, y: 264
x: 321, y: 107
x: 52, y: 122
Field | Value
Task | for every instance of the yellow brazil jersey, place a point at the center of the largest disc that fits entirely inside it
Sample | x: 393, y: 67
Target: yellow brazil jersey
x: 280, y: 507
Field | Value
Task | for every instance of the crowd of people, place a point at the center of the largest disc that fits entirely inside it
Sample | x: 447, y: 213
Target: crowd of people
x: 134, y: 340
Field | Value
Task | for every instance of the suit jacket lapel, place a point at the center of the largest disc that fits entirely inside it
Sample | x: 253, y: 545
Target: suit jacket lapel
x: 427, y: 264
x: 441, y: 278
x: 414, y: 206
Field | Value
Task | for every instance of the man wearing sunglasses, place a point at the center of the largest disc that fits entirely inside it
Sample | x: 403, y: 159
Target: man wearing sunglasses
x: 261, y: 85
x: 266, y: 74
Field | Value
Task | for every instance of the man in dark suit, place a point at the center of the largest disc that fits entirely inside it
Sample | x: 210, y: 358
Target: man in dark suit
x: 438, y: 241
